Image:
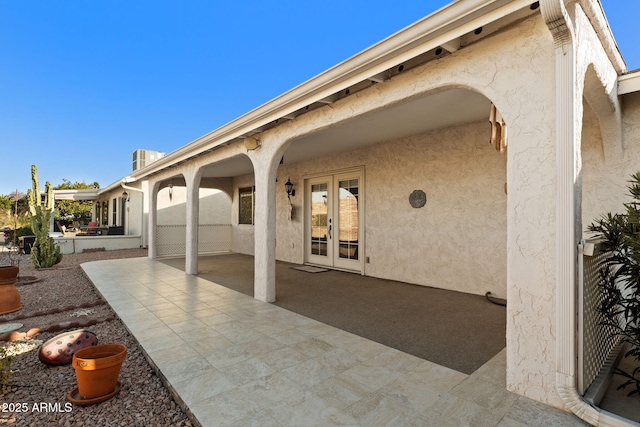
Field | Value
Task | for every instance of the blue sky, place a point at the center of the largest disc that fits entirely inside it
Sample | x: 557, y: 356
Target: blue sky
x: 85, y: 83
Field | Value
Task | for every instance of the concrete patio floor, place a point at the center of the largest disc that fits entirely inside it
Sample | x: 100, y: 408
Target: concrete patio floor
x: 232, y: 360
x: 453, y: 329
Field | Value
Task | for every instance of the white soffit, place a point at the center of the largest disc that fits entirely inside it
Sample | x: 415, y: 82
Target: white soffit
x: 629, y: 83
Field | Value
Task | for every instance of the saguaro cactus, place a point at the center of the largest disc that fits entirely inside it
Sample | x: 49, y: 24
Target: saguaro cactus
x: 44, y: 252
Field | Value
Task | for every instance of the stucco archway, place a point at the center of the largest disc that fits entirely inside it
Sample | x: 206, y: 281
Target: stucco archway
x: 452, y: 161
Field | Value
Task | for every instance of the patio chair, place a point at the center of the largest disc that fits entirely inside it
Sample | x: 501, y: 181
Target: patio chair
x: 91, y: 227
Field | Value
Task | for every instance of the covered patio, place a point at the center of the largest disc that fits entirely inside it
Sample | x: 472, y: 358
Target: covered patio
x: 232, y: 360
x: 394, y: 165
x: 98, y: 232
x: 453, y: 329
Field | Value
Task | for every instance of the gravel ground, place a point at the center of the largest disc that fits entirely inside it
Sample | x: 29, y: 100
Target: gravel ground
x: 37, y: 393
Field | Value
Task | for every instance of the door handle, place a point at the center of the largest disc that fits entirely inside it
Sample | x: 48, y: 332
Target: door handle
x: 329, y: 231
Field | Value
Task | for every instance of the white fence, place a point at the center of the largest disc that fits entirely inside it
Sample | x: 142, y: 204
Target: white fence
x: 171, y: 240
x: 597, y: 346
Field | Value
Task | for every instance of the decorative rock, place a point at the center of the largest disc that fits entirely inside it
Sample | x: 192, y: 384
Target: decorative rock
x: 60, y: 349
x: 9, y: 327
x: 17, y: 336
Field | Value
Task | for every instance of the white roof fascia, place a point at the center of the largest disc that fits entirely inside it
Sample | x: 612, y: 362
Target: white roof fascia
x: 88, y: 194
x: 108, y: 188
x: 445, y: 24
x: 629, y: 83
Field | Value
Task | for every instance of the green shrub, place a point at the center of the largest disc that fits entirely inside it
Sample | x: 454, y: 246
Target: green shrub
x: 5, y: 368
x: 620, y: 279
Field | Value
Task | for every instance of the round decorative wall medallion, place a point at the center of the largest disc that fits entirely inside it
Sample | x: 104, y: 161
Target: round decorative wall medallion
x: 418, y: 199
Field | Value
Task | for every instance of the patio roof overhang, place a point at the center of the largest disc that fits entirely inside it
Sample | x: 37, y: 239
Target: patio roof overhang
x: 629, y: 83
x: 446, y: 28
x: 78, y: 195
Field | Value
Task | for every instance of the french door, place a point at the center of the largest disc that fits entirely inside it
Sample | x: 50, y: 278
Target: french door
x: 333, y: 220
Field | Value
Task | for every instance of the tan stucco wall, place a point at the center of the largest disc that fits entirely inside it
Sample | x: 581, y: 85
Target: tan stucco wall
x: 457, y: 241
x: 214, y: 208
x: 242, y: 238
x: 603, y: 187
x: 609, y: 176
x: 631, y: 132
x: 135, y: 214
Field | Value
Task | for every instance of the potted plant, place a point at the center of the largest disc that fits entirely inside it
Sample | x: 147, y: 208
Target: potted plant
x: 620, y: 280
x: 9, y: 295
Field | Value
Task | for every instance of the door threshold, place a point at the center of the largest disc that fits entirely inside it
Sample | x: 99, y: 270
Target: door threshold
x: 345, y: 270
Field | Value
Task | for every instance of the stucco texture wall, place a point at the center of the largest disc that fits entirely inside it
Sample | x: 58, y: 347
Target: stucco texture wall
x: 456, y: 241
x: 214, y: 207
x: 243, y: 235
x: 603, y: 179
x: 612, y: 174
x: 631, y: 132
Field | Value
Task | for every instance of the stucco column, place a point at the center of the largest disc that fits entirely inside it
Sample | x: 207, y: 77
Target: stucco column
x: 193, y: 205
x: 568, y: 213
x: 153, y: 219
x: 144, y: 219
x: 264, y: 283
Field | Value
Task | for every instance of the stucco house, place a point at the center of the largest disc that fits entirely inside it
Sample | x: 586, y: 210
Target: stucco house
x: 468, y: 151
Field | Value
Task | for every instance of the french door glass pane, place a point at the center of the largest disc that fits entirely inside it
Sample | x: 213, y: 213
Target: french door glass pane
x: 319, y: 226
x: 348, y: 218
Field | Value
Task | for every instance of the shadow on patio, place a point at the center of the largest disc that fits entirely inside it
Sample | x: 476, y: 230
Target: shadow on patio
x: 453, y: 329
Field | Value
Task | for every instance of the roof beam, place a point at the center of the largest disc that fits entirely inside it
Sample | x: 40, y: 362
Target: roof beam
x: 452, y: 45
x: 379, y: 78
x: 329, y: 99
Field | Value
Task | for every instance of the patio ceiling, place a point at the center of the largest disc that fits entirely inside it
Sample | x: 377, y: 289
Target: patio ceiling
x: 437, y: 111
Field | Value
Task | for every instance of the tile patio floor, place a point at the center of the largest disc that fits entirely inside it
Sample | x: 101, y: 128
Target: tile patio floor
x: 234, y: 361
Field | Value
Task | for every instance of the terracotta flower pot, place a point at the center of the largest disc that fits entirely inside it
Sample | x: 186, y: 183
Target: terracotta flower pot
x: 9, y: 273
x: 9, y: 296
x: 97, y: 369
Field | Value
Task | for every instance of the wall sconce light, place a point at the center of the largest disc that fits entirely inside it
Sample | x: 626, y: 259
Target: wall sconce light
x: 289, y: 187
x: 171, y: 191
x: 125, y: 196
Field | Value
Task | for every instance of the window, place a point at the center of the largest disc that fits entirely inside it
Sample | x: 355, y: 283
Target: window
x: 246, y: 197
x: 115, y: 212
x: 105, y: 214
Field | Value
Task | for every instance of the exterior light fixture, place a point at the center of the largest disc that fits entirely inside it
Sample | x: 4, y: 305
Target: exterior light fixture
x: 125, y: 196
x: 171, y: 191
x: 289, y: 187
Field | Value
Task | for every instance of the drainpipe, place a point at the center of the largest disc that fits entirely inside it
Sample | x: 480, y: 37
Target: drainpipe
x: 557, y: 20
